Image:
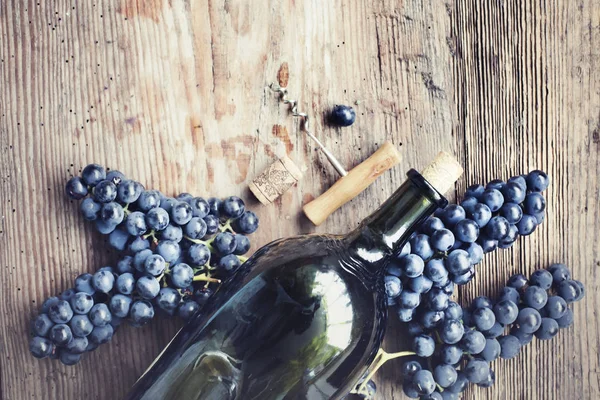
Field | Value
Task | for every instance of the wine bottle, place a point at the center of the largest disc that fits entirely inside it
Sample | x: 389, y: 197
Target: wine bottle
x: 303, y: 317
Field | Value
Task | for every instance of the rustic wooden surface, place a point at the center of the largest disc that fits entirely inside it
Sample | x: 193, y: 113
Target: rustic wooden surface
x: 173, y: 93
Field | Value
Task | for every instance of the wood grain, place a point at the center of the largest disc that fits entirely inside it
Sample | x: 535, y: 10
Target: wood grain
x: 174, y: 94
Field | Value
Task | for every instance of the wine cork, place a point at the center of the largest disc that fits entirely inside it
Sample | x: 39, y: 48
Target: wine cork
x: 275, y: 180
x: 443, y: 172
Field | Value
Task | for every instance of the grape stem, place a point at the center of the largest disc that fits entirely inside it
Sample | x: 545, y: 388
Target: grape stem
x: 242, y: 259
x: 207, y: 243
x: 226, y: 227
x: 380, y: 358
x: 205, y: 278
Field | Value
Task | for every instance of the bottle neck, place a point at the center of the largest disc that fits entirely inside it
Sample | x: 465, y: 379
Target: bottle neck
x: 392, y: 224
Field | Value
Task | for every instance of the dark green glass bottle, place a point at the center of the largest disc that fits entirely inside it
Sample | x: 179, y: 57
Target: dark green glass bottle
x: 303, y: 318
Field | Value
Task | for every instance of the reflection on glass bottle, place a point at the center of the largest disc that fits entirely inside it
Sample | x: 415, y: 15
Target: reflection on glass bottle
x: 301, y: 319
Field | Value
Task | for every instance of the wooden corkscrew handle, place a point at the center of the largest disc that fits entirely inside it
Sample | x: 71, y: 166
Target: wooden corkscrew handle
x: 349, y: 186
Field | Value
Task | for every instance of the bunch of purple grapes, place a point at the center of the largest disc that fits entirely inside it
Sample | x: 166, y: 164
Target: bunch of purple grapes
x: 456, y: 347
x: 445, y: 249
x: 176, y: 250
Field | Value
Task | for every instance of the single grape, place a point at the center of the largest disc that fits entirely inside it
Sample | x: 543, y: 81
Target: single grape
x: 147, y: 287
x: 527, y: 225
x: 118, y: 239
x: 458, y: 262
x: 568, y: 290
x: 115, y: 176
x: 412, y: 265
x: 475, y: 252
x: 467, y: 231
x: 566, y: 320
x: 468, y: 203
x: 424, y: 382
x: 242, y: 244
x: 431, y: 225
x: 518, y: 281
x: 535, y: 297
x: 537, y: 181
x: 512, y: 212
x: 464, y: 278
x: 232, y: 207
x: 157, y: 218
x: 513, y: 192
x: 187, y: 309
x: 475, y: 191
x: 487, y: 245
x: 420, y: 284
x: 136, y: 223
x: 491, y: 351
x: 476, y: 370
x: 509, y: 346
x: 405, y: 314
x: 202, y: 295
x: 393, y: 286
x: 198, y: 254
x: 103, y: 281
x: 556, y: 307
x: 450, y: 354
x: 76, y: 188
x: 200, y: 207
x: 247, y: 223
x: 168, y: 300
x: 519, y: 180
x: 155, y: 265
x: 548, y: 329
x: 493, y: 198
x: 481, y: 214
x: 510, y: 293
x: 77, y: 345
x: 100, y: 315
x: 421, y: 247
x: 81, y: 303
x: 497, y: 228
x: 172, y: 232
x: 214, y: 205
x: 81, y: 325
x: 431, y: 319
x: 581, y: 290
x: 182, y: 275
x: 124, y: 265
x: 119, y: 305
x: 342, y: 115
x: 169, y: 250
x: 112, y: 213
x: 93, y: 174
x: 408, y: 299
x: 101, y: 334
x: 451, y: 331
x: 212, y: 224
x: 442, y: 240
x: 453, y: 311
x: 529, y: 320
x: 40, y: 347
x: 437, y: 300
x: 195, y: 228
x: 410, y: 390
x: 559, y: 272
x: 506, y: 312
x: 148, y: 200
x: 60, y: 312
x: 105, y: 191
x: 534, y: 203
x: 60, y: 334
x: 452, y: 214
x: 41, y: 325
x: 224, y: 243
x: 228, y: 264
x: 141, y: 312
x: 90, y: 209
x: 435, y: 270
x: 473, y: 342
x: 129, y: 191
x: 138, y: 244
x: 483, y: 318
x: 423, y: 345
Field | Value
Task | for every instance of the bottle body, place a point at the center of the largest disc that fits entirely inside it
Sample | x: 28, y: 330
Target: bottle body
x: 303, y: 318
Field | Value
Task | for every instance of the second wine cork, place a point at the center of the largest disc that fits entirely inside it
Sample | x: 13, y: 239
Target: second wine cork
x: 275, y: 180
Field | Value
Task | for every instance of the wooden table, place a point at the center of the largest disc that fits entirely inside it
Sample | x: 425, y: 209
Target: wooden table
x: 174, y: 94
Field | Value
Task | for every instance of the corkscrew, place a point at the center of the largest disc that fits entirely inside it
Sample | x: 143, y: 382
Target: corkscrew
x: 350, y: 184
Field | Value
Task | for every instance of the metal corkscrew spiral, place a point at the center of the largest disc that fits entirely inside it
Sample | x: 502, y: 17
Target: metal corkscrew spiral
x: 283, y: 96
